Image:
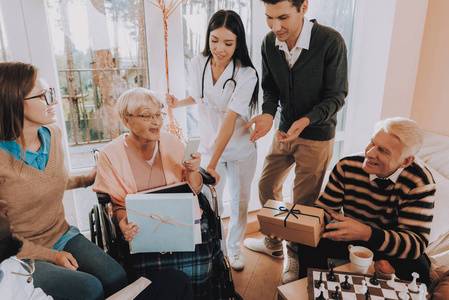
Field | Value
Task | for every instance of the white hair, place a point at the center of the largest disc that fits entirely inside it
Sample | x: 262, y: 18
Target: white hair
x: 405, y: 130
x: 134, y: 99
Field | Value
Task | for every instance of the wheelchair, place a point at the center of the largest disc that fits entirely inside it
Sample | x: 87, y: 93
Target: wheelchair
x: 106, y: 235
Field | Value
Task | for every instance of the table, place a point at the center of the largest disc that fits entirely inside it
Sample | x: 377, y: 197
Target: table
x: 297, y: 290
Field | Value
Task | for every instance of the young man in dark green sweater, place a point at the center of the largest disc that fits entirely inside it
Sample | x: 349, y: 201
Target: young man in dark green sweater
x: 304, y: 73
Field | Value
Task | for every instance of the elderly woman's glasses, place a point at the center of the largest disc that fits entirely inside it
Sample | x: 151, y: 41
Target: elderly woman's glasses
x: 49, y: 96
x: 151, y: 117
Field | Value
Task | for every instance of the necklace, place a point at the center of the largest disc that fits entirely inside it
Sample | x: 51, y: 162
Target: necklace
x: 28, y: 267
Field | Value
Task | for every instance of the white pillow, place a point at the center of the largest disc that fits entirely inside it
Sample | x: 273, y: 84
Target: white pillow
x: 435, y: 152
x: 440, y: 224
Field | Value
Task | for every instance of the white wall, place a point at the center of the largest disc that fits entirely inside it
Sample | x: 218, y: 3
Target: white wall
x: 371, y: 49
x: 405, y: 50
x: 430, y: 102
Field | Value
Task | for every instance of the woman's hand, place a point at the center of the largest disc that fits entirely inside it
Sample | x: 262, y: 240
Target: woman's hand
x: 193, y: 164
x: 91, y: 176
x: 213, y: 173
x: 171, y: 100
x: 66, y: 260
x: 129, y: 230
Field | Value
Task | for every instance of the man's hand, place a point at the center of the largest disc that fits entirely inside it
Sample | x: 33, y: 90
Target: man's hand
x: 66, y: 260
x: 129, y: 230
x: 347, y: 229
x: 4, y: 207
x: 294, y: 131
x: 263, y: 125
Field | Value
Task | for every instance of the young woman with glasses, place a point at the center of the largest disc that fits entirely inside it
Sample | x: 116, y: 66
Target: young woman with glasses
x: 33, y: 178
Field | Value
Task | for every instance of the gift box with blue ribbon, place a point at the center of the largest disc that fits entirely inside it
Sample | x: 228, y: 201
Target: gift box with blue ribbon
x: 292, y: 222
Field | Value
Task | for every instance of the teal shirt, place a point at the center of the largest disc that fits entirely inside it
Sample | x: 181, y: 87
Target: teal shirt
x: 36, y: 160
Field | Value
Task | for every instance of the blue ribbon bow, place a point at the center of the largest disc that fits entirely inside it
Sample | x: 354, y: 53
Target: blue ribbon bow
x: 289, y: 212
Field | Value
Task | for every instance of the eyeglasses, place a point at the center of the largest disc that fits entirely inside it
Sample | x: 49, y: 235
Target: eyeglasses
x: 147, y: 118
x: 49, y: 96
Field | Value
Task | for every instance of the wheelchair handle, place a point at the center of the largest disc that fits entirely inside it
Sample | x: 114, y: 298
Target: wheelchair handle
x: 207, y: 179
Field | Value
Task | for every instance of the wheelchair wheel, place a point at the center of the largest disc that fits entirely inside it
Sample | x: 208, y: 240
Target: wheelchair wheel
x: 98, y: 230
x: 106, y: 230
x: 91, y: 226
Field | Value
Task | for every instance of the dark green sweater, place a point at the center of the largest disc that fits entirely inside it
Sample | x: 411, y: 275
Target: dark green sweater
x: 315, y: 87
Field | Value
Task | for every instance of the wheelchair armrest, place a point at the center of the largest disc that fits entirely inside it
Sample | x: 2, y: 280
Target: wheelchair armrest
x: 103, y: 198
x: 207, y: 179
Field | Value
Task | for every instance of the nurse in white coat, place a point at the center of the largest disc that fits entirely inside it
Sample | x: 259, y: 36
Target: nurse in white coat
x: 225, y: 85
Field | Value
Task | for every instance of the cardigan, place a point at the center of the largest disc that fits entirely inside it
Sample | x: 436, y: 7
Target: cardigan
x: 400, y: 216
x: 34, y: 199
x: 315, y: 87
x: 115, y: 176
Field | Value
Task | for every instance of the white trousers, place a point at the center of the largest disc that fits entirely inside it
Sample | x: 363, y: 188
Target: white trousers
x: 240, y: 174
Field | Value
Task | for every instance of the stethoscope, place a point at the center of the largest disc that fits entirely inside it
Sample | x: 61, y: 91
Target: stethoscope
x: 230, y: 79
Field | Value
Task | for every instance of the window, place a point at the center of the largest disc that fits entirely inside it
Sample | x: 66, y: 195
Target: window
x: 100, y: 51
x: 3, y: 43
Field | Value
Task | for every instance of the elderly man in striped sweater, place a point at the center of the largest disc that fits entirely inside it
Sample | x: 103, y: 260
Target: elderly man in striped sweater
x: 383, y: 200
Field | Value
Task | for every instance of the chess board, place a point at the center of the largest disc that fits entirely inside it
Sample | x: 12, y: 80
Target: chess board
x: 379, y: 292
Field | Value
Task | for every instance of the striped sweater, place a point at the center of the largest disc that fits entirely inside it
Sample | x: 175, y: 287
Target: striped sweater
x: 400, y: 216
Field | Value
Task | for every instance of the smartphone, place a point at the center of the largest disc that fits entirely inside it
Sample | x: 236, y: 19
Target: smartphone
x: 191, y: 147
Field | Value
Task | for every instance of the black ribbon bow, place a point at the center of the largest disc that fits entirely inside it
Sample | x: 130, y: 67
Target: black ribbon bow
x: 289, y: 212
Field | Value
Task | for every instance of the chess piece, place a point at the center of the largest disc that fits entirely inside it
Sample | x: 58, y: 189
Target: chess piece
x: 364, y: 287
x: 422, y: 291
x: 331, y: 276
x: 412, y: 286
x: 346, y: 285
x: 321, y: 296
x: 404, y: 294
x: 336, y: 295
x: 318, y: 284
x: 391, y: 282
x: 367, y: 295
x: 374, y: 280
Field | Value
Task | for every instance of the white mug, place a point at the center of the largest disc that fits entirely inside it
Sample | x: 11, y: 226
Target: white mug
x: 361, y: 258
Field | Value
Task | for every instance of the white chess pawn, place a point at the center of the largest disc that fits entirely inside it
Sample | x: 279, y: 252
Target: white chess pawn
x: 404, y: 294
x: 364, y: 286
x: 422, y: 292
x: 412, y: 286
x: 322, y: 288
x: 391, y: 282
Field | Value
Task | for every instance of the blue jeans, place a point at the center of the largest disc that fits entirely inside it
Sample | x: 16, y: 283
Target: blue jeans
x: 97, y: 272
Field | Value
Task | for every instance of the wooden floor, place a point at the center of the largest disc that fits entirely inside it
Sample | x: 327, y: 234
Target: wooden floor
x: 261, y: 275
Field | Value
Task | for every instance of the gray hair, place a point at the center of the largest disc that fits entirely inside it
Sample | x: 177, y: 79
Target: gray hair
x: 134, y: 99
x: 405, y: 130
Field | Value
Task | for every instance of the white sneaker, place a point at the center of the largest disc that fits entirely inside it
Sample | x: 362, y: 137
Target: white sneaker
x: 237, y: 262
x: 291, y: 270
x: 259, y: 246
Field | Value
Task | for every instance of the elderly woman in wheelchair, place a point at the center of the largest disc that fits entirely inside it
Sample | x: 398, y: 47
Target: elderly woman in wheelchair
x: 143, y: 159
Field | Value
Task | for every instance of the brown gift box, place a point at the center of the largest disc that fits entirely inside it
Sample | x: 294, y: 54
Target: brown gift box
x: 303, y: 224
